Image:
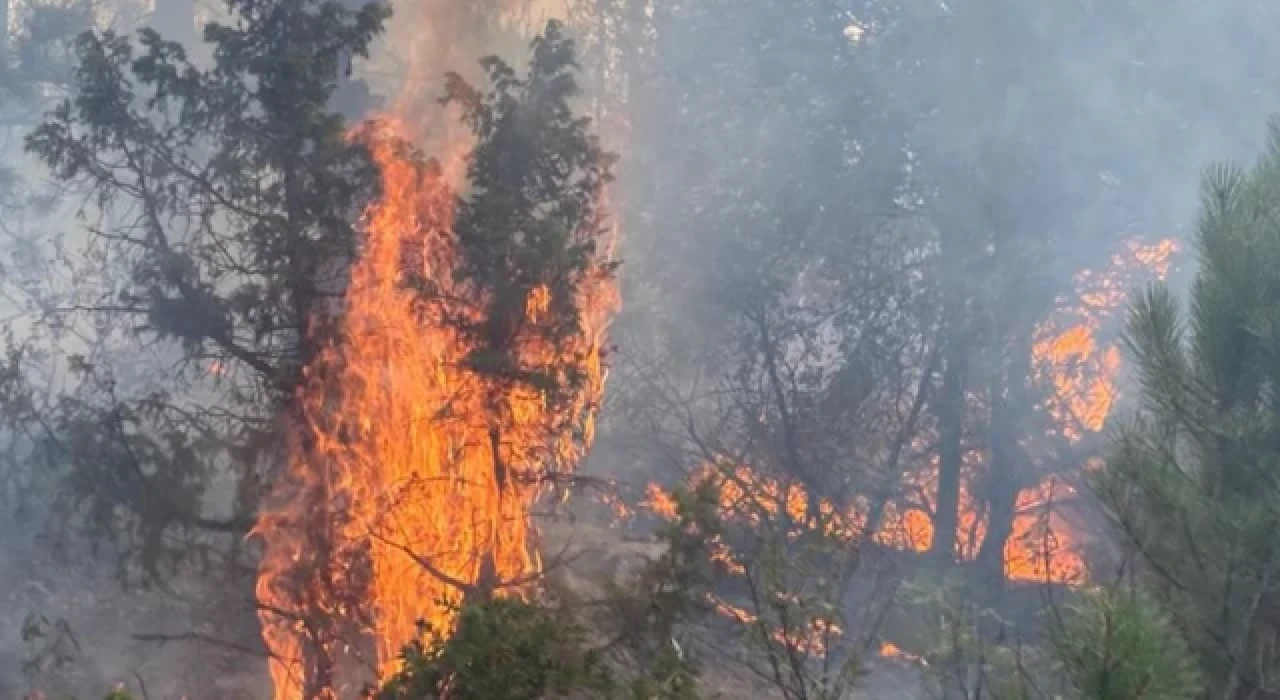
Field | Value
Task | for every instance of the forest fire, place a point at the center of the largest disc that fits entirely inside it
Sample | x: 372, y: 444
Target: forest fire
x: 1078, y: 370
x: 309, y: 376
x: 414, y: 469
x: 1040, y: 548
x: 1067, y: 352
x: 414, y: 466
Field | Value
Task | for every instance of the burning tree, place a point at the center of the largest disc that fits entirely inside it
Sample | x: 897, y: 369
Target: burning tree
x: 461, y: 383
x: 401, y: 355
x: 876, y: 317
x: 945, y: 284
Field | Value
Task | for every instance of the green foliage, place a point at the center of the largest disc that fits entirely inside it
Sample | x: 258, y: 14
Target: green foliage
x: 225, y: 199
x: 672, y: 592
x: 788, y: 586
x: 241, y: 159
x: 1190, y: 480
x: 509, y: 649
x: 503, y: 649
x: 222, y: 199
x: 964, y: 648
x: 1121, y: 645
x: 533, y: 216
x: 618, y: 647
x: 686, y: 572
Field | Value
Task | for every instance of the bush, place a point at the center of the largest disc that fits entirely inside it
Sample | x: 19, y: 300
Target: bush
x: 503, y: 649
x: 1117, y: 645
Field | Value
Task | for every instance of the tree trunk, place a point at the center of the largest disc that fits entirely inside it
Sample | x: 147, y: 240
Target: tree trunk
x: 1001, y: 491
x: 1003, y: 482
x: 950, y: 413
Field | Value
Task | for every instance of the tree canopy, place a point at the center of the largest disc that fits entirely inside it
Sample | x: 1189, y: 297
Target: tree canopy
x: 1190, y: 480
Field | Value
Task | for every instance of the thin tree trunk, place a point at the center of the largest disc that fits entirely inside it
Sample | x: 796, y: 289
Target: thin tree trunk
x: 1001, y: 492
x: 950, y: 413
x: 909, y: 429
x: 1003, y: 483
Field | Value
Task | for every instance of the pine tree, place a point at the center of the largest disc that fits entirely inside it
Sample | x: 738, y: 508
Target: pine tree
x: 1120, y: 645
x: 1192, y: 481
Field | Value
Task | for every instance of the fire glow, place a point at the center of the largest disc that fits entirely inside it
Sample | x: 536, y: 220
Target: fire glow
x: 412, y: 474
x: 1080, y: 373
x: 396, y: 503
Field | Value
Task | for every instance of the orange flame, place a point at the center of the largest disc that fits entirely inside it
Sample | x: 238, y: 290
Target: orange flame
x: 412, y: 475
x: 1042, y: 546
x: 399, y: 444
x: 889, y: 650
x: 1039, y: 549
x: 1067, y: 354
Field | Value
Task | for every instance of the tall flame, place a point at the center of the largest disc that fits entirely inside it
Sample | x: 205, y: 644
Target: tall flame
x: 1067, y: 353
x: 412, y: 476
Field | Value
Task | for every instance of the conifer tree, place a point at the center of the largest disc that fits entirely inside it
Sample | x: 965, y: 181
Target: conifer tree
x: 223, y: 200
x: 1119, y: 645
x: 1192, y: 480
